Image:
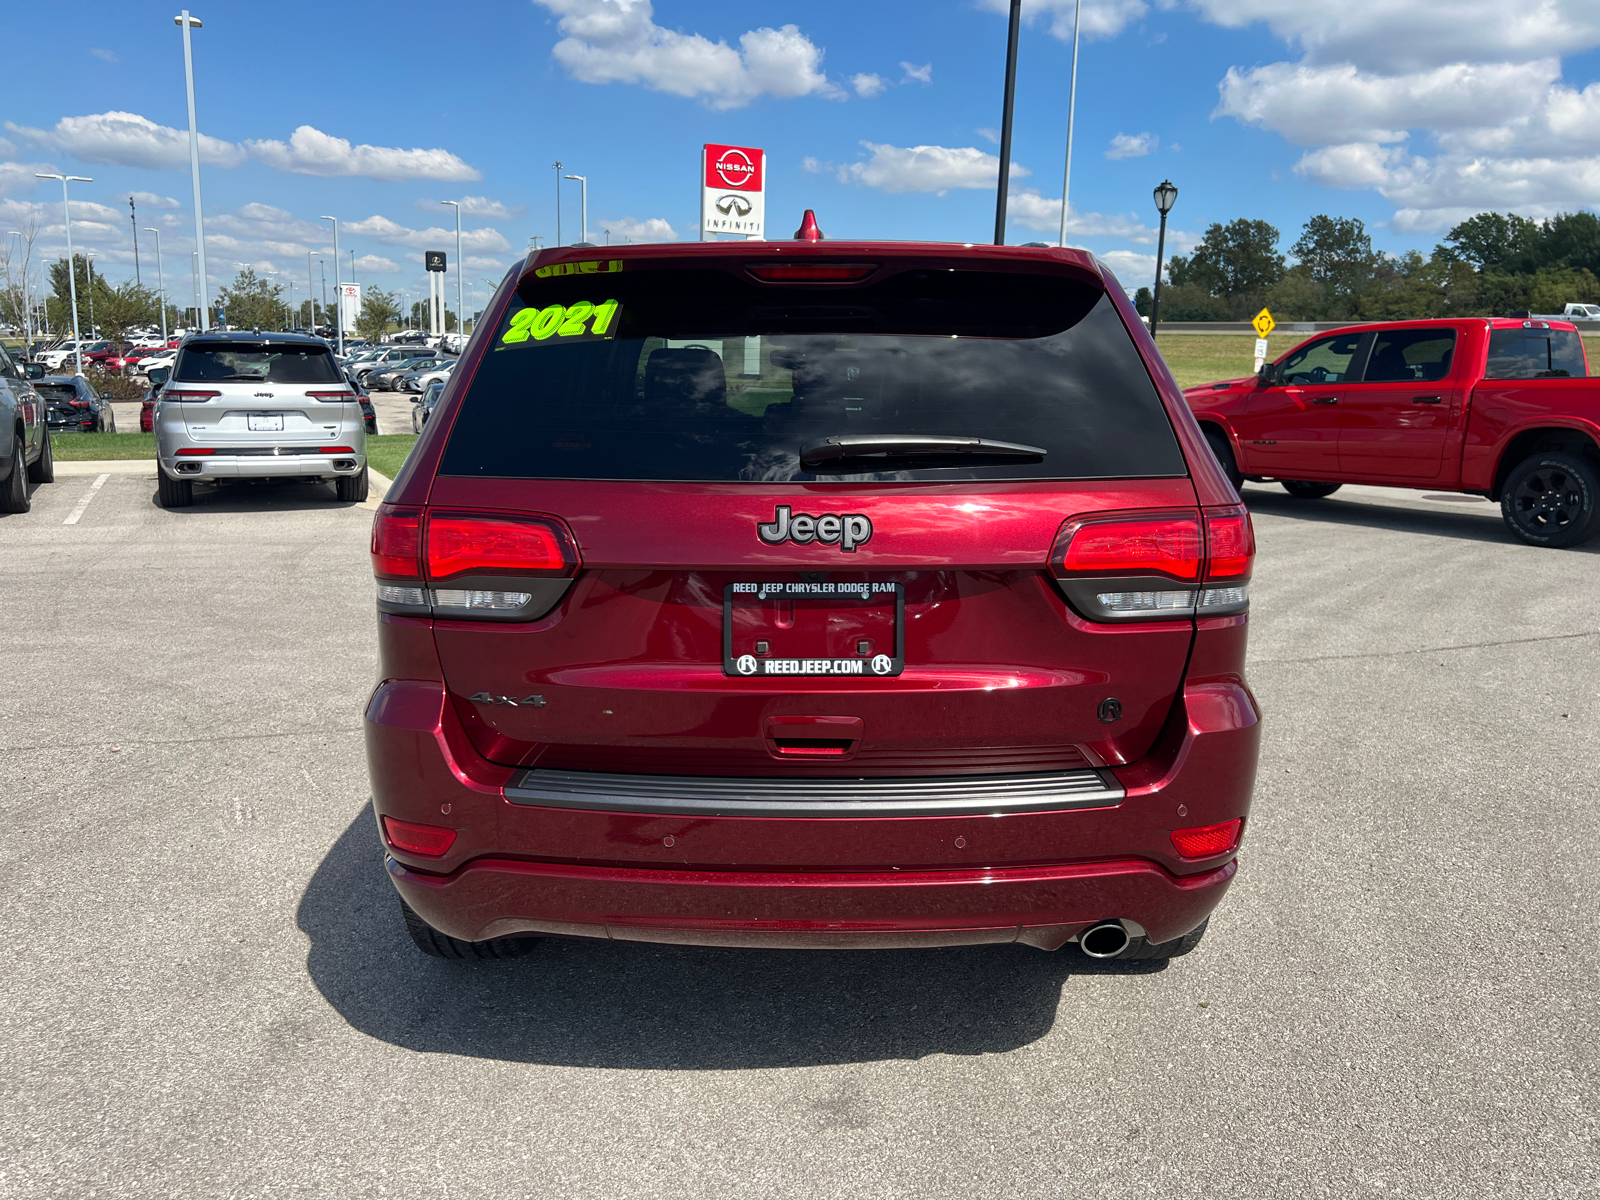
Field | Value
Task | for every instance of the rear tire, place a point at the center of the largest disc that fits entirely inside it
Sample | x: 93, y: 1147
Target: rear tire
x: 1303, y: 490
x: 173, y: 493
x: 15, y: 498
x: 1223, y: 450
x: 44, y: 467
x: 441, y: 945
x: 1176, y: 948
x: 352, y: 488
x: 1552, y: 500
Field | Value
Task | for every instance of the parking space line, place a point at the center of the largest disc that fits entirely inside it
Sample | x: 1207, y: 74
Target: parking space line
x: 99, y: 482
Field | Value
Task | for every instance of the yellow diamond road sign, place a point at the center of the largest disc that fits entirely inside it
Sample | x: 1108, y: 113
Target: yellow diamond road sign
x: 1264, y: 323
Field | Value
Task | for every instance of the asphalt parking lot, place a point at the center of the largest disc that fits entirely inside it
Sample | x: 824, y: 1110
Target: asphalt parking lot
x: 209, y: 992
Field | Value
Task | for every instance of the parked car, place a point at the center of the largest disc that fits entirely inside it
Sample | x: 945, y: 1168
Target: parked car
x: 73, y: 406
x: 257, y: 406
x: 387, y: 356
x: 422, y: 407
x: 162, y: 358
x: 58, y: 357
x: 385, y: 377
x: 842, y: 594
x: 1494, y: 407
x: 28, y: 458
x: 417, y: 380
x: 369, y: 415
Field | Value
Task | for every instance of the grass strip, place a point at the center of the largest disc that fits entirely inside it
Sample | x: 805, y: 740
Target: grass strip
x: 387, y: 452
x: 93, y: 447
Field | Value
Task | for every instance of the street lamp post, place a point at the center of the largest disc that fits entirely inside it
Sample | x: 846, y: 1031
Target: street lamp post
x: 27, y: 309
x: 461, y: 325
x: 89, y: 264
x: 1072, y: 103
x: 583, y: 180
x: 194, y: 282
x: 558, y: 201
x: 338, y: 319
x: 1005, y: 123
x: 187, y: 22
x: 133, y: 219
x: 72, y: 266
x: 1166, y: 196
x: 161, y: 282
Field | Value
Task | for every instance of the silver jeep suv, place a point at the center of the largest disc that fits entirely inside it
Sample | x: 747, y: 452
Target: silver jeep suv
x: 258, y: 406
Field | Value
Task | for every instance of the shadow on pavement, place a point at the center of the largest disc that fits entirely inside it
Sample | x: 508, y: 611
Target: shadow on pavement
x: 251, y: 497
x: 1480, y: 524
x: 641, y: 1007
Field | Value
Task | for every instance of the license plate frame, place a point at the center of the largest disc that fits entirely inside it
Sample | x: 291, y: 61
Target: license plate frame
x: 264, y: 422
x: 877, y: 666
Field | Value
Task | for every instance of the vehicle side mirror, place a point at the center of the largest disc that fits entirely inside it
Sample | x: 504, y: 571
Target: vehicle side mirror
x: 33, y: 370
x: 158, y: 378
x: 1268, y: 374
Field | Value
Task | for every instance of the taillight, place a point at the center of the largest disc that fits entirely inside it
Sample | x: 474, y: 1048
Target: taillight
x: 336, y: 450
x: 1132, y: 566
x: 431, y: 841
x: 337, y: 397
x: 397, y: 545
x: 484, y: 544
x: 812, y: 272
x: 1204, y: 841
x: 189, y: 396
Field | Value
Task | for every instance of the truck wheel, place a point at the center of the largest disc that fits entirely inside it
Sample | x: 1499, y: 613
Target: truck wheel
x: 1303, y: 490
x: 1218, y: 441
x: 441, y: 945
x: 1552, y: 499
x: 1176, y: 948
x: 173, y: 493
x: 44, y: 467
x: 352, y: 487
x: 15, y: 498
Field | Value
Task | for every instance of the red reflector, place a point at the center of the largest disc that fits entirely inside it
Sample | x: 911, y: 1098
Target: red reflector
x: 479, y: 544
x: 1230, y: 543
x: 1164, y: 543
x: 80, y: 403
x: 397, y: 542
x: 431, y: 840
x: 189, y: 453
x: 813, y: 272
x: 335, y: 450
x: 1203, y: 841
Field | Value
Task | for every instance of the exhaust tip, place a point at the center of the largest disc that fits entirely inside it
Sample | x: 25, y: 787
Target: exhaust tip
x: 1105, y: 940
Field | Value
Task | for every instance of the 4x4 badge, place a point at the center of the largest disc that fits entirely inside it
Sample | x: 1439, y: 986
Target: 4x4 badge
x: 848, y: 530
x: 525, y: 702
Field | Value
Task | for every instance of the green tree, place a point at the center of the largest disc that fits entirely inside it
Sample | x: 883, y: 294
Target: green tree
x: 1296, y: 296
x: 1573, y: 240
x: 1503, y: 243
x: 1339, y: 252
x: 118, y: 309
x: 1237, y: 259
x: 378, y: 309
x: 419, y: 317
x: 1142, y: 301
x: 250, y: 302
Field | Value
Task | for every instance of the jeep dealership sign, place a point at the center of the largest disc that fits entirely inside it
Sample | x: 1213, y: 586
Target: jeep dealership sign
x: 733, y: 182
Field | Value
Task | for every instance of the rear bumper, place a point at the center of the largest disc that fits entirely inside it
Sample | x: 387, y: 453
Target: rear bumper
x: 263, y: 466
x: 1039, y: 877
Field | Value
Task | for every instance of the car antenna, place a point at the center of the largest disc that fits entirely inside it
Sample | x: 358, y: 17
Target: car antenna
x: 808, y: 231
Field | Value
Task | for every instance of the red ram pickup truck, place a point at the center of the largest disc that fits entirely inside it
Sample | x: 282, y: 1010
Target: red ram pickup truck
x: 1501, y: 408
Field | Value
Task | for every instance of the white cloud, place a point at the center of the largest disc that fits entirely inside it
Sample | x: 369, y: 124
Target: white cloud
x: 922, y: 74
x: 267, y: 222
x: 926, y: 168
x: 989, y: 135
x: 382, y: 229
x: 1132, y: 269
x: 1133, y: 145
x: 1101, y: 18
x: 151, y: 200
x: 105, y: 56
x: 618, y: 41
x: 375, y: 264
x: 475, y: 262
x: 309, y: 151
x: 868, y: 85
x: 483, y: 208
x: 125, y: 139
x: 1026, y: 207
x: 20, y: 177
x: 7, y: 149
x: 651, y: 229
x: 813, y: 164
x: 1475, y: 83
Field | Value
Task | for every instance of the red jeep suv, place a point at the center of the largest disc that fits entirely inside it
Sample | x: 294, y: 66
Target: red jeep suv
x: 812, y: 594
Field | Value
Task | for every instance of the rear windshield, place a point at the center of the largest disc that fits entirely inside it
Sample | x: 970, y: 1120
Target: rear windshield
x: 256, y: 362
x: 709, y: 376
x: 1535, y: 354
x: 56, y: 391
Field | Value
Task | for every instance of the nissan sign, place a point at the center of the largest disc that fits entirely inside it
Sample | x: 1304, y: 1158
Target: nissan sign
x: 732, y: 191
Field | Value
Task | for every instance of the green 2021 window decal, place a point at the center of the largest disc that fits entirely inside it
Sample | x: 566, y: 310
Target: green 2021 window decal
x: 568, y: 322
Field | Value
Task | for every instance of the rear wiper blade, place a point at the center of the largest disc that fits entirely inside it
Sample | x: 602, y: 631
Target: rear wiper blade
x: 251, y: 378
x: 919, y: 447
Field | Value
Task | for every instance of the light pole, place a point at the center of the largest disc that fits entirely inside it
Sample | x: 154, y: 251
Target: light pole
x: 558, y: 201
x: 161, y: 282
x: 187, y: 22
x: 27, y: 310
x: 338, y: 320
x: 1072, y: 102
x: 584, y: 181
x: 89, y: 260
x: 1166, y: 196
x: 461, y: 326
x: 194, y: 282
x: 133, y: 219
x: 1005, y: 123
x: 72, y: 265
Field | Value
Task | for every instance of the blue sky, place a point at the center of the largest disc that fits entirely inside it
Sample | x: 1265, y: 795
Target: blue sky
x: 1407, y: 113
